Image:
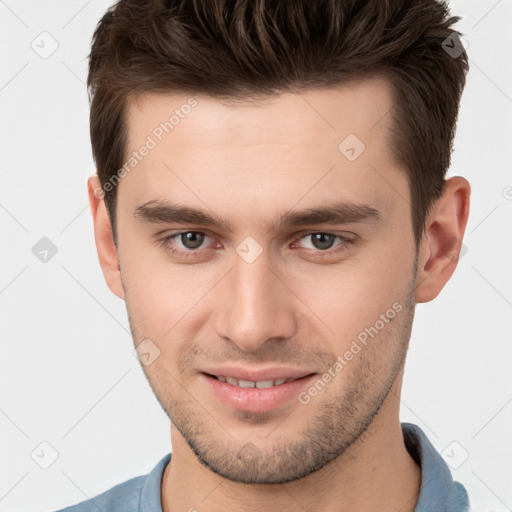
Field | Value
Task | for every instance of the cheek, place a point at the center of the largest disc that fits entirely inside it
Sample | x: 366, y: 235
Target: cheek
x: 345, y: 299
x: 158, y: 294
x: 351, y: 296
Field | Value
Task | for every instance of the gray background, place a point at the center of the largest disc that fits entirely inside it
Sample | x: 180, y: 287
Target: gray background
x: 68, y: 374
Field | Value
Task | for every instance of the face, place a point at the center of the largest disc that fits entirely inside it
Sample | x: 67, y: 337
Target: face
x: 257, y: 243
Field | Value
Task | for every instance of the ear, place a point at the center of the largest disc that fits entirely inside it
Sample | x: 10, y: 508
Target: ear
x: 107, y: 251
x: 441, y: 243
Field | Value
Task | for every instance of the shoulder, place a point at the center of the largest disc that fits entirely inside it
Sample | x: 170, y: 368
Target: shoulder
x: 122, y: 497
x: 137, y: 494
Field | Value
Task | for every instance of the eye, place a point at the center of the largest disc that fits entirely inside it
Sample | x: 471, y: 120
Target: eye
x: 321, y: 242
x: 185, y: 243
x: 191, y: 239
x: 192, y: 243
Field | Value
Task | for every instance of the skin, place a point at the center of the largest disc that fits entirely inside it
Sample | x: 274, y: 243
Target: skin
x: 250, y: 163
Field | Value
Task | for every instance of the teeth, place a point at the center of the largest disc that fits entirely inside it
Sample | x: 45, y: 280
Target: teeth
x: 262, y: 384
x: 246, y: 383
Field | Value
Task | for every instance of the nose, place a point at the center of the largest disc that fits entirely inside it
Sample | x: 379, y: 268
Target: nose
x: 255, y: 306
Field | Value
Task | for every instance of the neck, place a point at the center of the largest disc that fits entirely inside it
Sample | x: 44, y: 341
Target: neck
x: 375, y: 473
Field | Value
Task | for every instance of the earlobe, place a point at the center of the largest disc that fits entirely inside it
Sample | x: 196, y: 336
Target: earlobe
x: 105, y: 246
x: 441, y: 245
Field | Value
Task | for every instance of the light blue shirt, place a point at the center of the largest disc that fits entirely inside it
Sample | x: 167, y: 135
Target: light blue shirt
x: 438, y: 492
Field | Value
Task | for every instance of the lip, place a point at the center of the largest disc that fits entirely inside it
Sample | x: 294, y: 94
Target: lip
x: 255, y: 399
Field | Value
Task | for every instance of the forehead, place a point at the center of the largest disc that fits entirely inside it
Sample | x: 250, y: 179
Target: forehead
x: 355, y: 107
x: 307, y: 146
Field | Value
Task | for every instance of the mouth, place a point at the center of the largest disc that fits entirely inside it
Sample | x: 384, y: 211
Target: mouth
x: 263, y: 395
x: 261, y: 384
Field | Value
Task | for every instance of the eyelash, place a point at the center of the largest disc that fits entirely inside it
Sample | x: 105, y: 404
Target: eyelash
x: 194, y: 253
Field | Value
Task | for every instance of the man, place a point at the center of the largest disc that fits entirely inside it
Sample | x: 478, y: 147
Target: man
x: 271, y: 204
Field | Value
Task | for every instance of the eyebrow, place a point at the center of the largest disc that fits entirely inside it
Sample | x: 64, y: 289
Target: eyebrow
x: 157, y: 211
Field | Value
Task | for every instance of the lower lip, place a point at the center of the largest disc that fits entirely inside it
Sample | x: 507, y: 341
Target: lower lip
x: 254, y: 399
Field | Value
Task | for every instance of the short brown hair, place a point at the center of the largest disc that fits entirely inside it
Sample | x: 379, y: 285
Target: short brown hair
x: 248, y: 48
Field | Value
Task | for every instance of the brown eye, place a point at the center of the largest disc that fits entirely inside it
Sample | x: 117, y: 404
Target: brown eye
x: 320, y: 244
x: 192, y: 239
x: 322, y: 240
x: 185, y: 243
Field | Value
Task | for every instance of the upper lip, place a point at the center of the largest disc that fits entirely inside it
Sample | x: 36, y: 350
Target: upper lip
x: 257, y: 375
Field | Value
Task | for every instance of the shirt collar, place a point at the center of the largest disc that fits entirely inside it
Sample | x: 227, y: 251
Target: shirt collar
x: 438, y: 492
x: 151, y: 491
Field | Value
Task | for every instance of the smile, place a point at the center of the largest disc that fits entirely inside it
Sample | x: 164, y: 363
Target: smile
x: 261, y: 384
